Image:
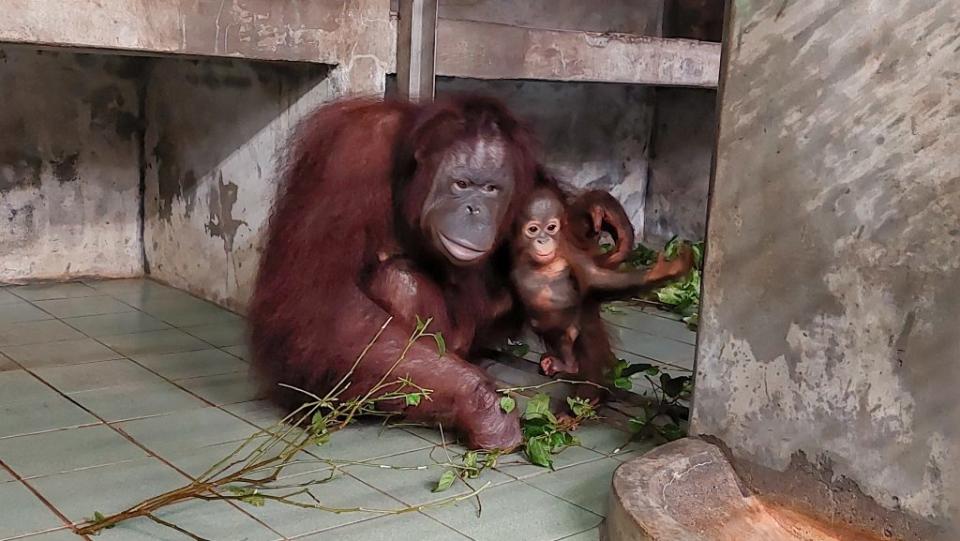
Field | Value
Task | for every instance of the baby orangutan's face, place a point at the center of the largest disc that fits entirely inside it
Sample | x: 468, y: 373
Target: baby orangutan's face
x: 540, y: 235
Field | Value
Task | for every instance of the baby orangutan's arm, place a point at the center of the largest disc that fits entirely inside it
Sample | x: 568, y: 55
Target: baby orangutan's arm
x: 597, y: 278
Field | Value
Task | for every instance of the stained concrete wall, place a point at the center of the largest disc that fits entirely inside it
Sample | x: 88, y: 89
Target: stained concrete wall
x: 69, y: 165
x: 833, y: 265
x: 593, y: 135
x: 684, y: 136
x: 216, y: 130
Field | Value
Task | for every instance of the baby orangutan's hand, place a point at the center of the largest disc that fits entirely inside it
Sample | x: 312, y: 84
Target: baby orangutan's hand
x: 677, y: 267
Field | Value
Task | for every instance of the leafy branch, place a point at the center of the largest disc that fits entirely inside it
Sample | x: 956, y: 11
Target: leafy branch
x: 250, y: 474
x: 682, y: 296
x: 669, y: 410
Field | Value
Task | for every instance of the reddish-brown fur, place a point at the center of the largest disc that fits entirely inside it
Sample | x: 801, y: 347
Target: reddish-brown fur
x: 593, y: 349
x: 351, y: 196
x: 596, y: 211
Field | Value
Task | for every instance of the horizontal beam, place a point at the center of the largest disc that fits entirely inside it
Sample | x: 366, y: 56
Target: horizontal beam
x: 256, y: 29
x: 495, y: 51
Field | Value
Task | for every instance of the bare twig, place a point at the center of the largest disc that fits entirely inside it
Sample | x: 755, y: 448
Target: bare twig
x: 249, y: 473
x: 174, y: 527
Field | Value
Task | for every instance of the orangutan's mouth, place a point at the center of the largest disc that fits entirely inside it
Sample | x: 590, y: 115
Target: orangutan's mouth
x: 460, y: 251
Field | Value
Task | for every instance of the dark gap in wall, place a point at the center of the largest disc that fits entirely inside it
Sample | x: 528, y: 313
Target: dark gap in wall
x: 651, y: 170
x: 694, y: 19
x: 142, y: 162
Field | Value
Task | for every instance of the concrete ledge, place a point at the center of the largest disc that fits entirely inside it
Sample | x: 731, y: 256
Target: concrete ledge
x: 497, y: 51
x: 258, y: 29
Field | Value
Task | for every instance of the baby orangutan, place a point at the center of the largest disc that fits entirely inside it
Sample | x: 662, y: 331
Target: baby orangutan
x: 553, y: 278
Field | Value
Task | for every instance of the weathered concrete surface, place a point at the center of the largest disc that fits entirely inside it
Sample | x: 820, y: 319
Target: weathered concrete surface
x: 833, y: 265
x: 69, y: 169
x: 625, y: 16
x: 593, y: 135
x: 493, y: 51
x: 356, y: 35
x: 216, y: 131
x: 687, y: 490
x: 683, y: 144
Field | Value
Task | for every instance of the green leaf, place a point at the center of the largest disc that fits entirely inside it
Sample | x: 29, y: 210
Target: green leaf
x: 697, y: 250
x: 421, y: 324
x: 672, y: 387
x: 537, y: 452
x: 255, y: 500
x: 671, y: 431
x: 641, y: 256
x: 491, y: 460
x: 635, y: 369
x: 470, y: 459
x: 441, y: 343
x: 99, y: 518
x: 619, y: 366
x: 413, y: 399
x: 507, y: 404
x: 637, y: 424
x: 446, y: 481
x: 560, y: 441
x: 320, y: 435
x: 538, y: 406
x: 610, y: 308
x: 605, y: 248
x: 248, y: 495
x: 536, y: 427
x: 672, y: 247
x: 623, y: 383
x: 517, y: 348
x: 581, y: 407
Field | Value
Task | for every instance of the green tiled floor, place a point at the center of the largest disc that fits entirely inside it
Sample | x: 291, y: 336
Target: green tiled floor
x: 114, y: 391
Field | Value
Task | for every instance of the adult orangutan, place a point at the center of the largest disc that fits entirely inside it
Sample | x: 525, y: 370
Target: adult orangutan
x: 391, y: 208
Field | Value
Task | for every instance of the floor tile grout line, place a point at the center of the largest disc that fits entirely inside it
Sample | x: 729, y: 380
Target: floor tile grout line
x: 667, y: 364
x: 649, y: 333
x: 36, y: 493
x: 35, y: 535
x: 135, y: 309
x: 13, y: 287
x: 601, y: 517
x: 50, y: 430
x: 220, y: 407
x: 172, y: 382
x: 580, y: 533
x: 132, y: 440
x: 333, y: 529
x: 621, y: 350
x: 61, y: 318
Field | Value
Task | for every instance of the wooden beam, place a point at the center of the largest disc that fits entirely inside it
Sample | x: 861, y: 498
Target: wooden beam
x: 496, y: 51
x: 416, y: 47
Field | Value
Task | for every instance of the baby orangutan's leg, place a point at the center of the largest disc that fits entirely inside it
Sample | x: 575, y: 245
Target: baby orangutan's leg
x: 566, y: 363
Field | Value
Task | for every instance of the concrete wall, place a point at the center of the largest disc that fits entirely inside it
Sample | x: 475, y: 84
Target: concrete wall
x: 69, y: 165
x: 215, y: 132
x: 683, y: 146
x: 593, y: 135
x: 833, y: 265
